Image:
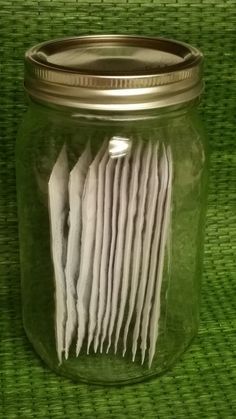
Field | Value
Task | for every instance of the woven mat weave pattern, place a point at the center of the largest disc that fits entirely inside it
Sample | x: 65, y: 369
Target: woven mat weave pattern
x: 203, y: 383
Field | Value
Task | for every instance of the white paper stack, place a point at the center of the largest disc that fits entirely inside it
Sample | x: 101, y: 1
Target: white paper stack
x: 166, y: 170
x: 97, y: 249
x: 112, y: 248
x: 91, y: 210
x: 129, y: 236
x: 58, y: 201
x: 138, y: 237
x: 108, y: 289
x: 105, y: 252
x: 76, y: 187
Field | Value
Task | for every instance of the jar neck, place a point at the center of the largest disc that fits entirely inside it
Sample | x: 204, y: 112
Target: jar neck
x: 145, y: 114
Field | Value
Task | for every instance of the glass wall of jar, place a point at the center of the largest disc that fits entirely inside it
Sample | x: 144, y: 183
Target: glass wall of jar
x: 111, y: 193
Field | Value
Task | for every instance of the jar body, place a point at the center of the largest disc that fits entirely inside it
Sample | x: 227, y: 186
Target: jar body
x: 111, y: 292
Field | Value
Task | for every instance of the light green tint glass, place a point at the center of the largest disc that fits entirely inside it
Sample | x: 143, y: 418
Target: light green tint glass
x: 44, y: 132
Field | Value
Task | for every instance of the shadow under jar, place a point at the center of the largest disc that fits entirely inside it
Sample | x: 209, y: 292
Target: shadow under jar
x: 111, y: 183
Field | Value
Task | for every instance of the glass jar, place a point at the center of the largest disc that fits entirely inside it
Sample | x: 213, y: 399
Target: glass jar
x: 111, y: 186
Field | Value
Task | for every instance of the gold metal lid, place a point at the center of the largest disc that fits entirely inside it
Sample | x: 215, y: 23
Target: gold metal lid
x: 113, y: 72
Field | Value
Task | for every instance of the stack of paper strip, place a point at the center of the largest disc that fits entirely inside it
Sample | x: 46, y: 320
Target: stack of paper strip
x: 109, y: 267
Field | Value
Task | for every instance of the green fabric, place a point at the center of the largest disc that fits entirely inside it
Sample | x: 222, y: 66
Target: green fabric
x: 203, y: 383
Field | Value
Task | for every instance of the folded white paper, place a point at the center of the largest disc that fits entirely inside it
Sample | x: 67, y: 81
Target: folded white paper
x: 58, y: 201
x: 97, y: 249
x: 129, y: 233
x: 165, y: 166
x: 76, y: 186
x: 112, y: 250
x: 138, y: 237
x: 150, y: 212
x: 108, y: 269
x: 103, y: 284
x: 120, y: 240
x: 89, y: 219
x: 155, y: 249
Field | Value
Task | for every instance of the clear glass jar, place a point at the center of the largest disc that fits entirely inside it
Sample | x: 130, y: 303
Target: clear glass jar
x: 111, y: 197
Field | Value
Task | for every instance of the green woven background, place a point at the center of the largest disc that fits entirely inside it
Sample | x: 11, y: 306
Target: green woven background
x: 203, y: 383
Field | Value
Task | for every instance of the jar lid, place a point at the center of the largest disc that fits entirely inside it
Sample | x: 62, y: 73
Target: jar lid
x: 113, y: 72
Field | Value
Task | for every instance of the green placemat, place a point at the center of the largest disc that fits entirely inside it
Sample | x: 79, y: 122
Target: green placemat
x: 203, y: 383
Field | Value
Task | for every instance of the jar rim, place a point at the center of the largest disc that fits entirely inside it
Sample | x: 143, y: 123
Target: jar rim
x: 114, y: 72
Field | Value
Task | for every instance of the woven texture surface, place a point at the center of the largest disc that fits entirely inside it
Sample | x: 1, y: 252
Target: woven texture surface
x: 203, y: 383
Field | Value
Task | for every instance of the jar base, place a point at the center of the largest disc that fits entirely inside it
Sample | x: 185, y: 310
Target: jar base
x: 90, y: 368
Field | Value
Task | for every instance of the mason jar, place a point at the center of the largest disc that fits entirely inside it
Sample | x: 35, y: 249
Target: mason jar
x: 111, y: 184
